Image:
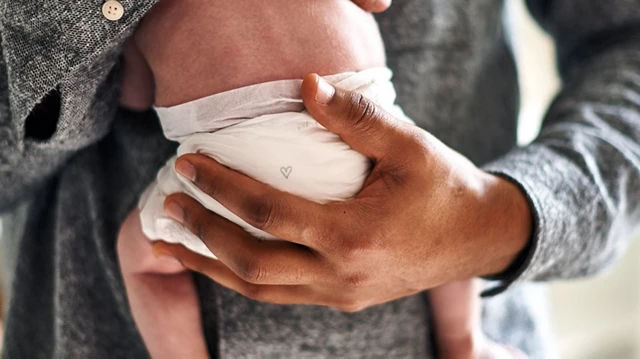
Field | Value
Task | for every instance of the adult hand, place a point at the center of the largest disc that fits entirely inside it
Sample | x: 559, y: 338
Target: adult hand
x: 373, y: 5
x: 425, y: 216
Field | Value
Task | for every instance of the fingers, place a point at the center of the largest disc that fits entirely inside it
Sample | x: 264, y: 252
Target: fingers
x: 255, y: 261
x: 217, y: 271
x: 279, y: 213
x: 373, y: 5
x: 357, y: 120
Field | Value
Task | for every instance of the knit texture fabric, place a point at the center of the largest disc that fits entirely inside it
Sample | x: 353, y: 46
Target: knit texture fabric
x: 66, y: 148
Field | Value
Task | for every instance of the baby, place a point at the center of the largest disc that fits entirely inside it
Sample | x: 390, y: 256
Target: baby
x: 224, y: 79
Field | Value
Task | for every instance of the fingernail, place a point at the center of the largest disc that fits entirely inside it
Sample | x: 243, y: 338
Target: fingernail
x: 186, y: 169
x: 324, y: 92
x: 175, y: 211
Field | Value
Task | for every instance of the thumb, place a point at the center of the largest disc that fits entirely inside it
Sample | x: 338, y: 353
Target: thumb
x: 360, y: 123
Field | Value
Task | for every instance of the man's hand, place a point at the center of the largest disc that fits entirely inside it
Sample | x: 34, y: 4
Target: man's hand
x: 425, y: 216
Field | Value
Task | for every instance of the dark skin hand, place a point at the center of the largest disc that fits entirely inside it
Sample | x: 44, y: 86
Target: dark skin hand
x: 425, y: 216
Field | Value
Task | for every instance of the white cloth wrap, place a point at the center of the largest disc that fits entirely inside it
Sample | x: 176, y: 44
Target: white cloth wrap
x: 262, y: 131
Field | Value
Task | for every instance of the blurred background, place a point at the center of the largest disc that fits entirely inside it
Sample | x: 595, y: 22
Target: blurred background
x: 591, y: 319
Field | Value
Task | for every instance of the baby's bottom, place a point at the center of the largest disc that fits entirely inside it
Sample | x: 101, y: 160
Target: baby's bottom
x: 162, y: 297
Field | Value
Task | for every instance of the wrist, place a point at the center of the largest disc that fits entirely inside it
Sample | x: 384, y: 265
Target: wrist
x: 510, y: 219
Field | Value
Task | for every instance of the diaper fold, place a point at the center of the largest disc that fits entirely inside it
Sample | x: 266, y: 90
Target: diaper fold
x: 263, y: 132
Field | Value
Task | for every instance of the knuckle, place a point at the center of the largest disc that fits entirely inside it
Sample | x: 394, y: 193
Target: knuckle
x: 311, y: 234
x: 260, y: 213
x: 324, y: 236
x: 200, y: 230
x: 360, y: 110
x: 207, y: 183
x: 198, y: 223
x: 356, y: 281
x: 351, y: 252
x: 252, y: 270
x: 355, y: 249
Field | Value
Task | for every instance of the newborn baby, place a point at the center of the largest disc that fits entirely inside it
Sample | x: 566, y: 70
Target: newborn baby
x: 224, y: 78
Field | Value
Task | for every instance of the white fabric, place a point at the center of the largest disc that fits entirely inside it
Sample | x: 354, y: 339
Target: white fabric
x: 263, y: 132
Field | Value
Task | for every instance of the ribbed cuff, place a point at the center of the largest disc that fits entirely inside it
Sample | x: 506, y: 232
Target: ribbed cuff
x: 514, y: 168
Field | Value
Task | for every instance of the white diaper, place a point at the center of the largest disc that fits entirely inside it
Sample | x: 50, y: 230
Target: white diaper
x: 263, y: 132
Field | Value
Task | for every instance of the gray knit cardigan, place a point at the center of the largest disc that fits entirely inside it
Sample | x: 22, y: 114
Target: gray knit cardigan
x: 80, y: 162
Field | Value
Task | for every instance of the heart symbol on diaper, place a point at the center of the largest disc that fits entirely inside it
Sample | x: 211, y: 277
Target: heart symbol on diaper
x: 286, y: 171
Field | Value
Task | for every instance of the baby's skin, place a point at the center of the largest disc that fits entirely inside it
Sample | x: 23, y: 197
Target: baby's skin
x: 187, y: 49
x: 198, y: 48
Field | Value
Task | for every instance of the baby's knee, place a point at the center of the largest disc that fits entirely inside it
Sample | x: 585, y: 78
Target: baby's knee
x: 135, y: 251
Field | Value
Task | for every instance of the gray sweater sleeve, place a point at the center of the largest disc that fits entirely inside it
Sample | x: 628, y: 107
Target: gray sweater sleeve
x: 582, y: 174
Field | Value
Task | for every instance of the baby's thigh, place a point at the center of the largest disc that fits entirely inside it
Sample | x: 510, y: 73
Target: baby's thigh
x: 135, y: 251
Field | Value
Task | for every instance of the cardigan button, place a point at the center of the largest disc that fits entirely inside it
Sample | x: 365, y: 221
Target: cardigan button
x: 112, y: 10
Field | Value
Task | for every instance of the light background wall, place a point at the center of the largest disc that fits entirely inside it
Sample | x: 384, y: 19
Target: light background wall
x: 596, y: 318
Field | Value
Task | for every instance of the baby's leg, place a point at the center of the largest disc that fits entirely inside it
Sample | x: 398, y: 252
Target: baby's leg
x: 162, y: 297
x: 457, y: 314
x: 457, y: 309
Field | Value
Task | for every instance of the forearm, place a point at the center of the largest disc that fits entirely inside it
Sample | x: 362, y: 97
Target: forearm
x: 583, y: 171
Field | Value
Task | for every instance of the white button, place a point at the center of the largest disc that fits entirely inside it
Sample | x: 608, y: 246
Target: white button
x: 112, y: 10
